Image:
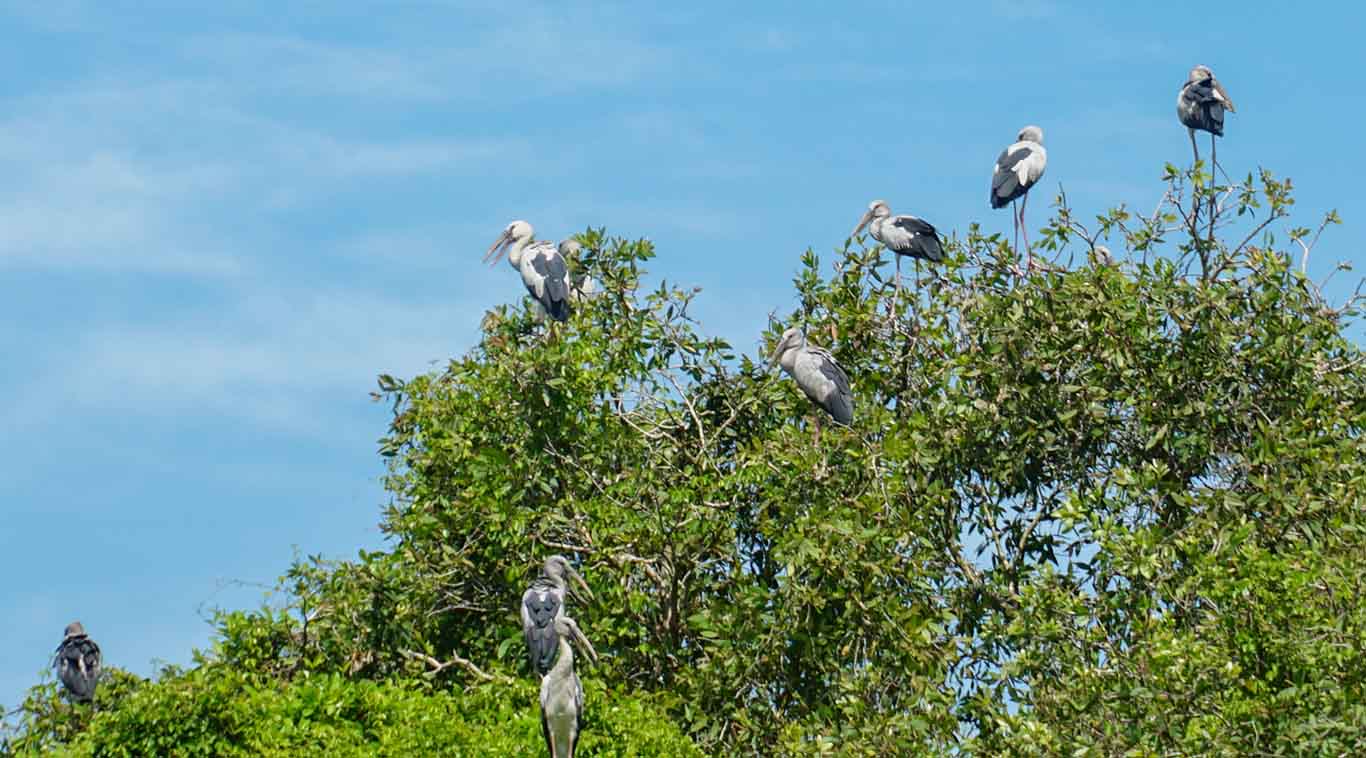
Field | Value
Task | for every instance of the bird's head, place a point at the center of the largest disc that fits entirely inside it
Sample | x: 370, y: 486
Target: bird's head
x: 1031, y: 133
x: 559, y: 567
x: 568, y: 629
x: 1199, y: 74
x: 876, y: 209
x: 74, y: 629
x: 1101, y: 256
x: 791, y: 340
x: 515, y: 232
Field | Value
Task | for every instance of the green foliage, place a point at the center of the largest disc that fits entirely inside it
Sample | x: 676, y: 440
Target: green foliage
x: 216, y: 710
x: 1115, y: 509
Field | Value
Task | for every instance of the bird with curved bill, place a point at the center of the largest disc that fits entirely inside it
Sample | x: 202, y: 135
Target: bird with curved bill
x: 904, y: 235
x: 1200, y: 106
x: 541, y: 265
x: 78, y: 662
x: 562, y: 691
x: 1018, y: 168
x: 543, y: 603
x: 817, y: 374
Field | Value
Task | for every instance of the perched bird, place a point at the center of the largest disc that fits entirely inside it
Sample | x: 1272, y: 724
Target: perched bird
x: 562, y: 692
x: 1100, y: 256
x: 78, y: 663
x: 540, y: 264
x: 903, y: 235
x: 1017, y: 169
x: 542, y: 603
x: 817, y: 373
x: 1201, y: 105
x: 581, y: 287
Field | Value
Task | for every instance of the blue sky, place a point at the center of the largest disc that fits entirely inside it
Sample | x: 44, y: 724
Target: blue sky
x: 218, y: 223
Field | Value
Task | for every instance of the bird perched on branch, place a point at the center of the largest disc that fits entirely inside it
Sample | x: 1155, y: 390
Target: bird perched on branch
x: 1200, y: 105
x: 903, y: 235
x: 562, y: 692
x: 817, y: 374
x: 541, y: 265
x: 77, y: 662
x: 1019, y: 168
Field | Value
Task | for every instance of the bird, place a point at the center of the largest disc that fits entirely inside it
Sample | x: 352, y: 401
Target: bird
x: 1018, y: 168
x: 542, y: 267
x: 77, y: 661
x: 903, y: 235
x: 817, y: 373
x: 1101, y: 256
x: 562, y: 692
x: 542, y: 603
x: 581, y: 287
x: 1200, y: 105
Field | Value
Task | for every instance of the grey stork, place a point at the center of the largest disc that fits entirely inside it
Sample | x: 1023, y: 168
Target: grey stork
x: 817, y: 374
x: 540, y: 264
x: 1017, y: 169
x: 77, y: 661
x: 903, y: 235
x: 542, y: 603
x: 562, y: 692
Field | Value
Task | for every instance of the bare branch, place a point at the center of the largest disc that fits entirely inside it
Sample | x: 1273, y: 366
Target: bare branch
x: 435, y: 667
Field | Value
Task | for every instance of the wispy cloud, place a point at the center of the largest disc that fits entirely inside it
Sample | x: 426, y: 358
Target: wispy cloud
x: 274, y: 360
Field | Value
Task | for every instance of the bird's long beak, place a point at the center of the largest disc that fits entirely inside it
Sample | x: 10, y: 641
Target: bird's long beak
x: 773, y: 359
x: 496, y: 249
x: 583, y: 642
x: 1219, y: 90
x: 576, y: 583
x: 867, y: 216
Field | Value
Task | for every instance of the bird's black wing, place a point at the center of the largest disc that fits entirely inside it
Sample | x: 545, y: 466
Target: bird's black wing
x: 553, y: 270
x: 923, y: 240
x: 1207, y: 111
x: 841, y: 406
x: 539, y: 608
x: 1005, y: 183
x: 78, y: 666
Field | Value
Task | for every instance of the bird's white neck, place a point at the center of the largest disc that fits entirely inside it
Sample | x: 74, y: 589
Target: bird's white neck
x: 875, y: 228
x: 515, y: 252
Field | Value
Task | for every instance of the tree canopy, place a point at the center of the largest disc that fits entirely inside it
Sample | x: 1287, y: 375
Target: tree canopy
x: 1103, y: 508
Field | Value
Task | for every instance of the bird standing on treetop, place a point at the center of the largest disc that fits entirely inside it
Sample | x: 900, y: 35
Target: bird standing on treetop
x: 817, y: 374
x: 562, y: 692
x: 1201, y: 105
x: 541, y: 265
x: 903, y: 235
x: 78, y: 663
x: 542, y: 603
x: 1017, y: 169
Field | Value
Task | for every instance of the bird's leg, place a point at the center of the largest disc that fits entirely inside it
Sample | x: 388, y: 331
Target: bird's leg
x: 1214, y: 164
x: 1024, y: 230
x: 915, y: 305
x: 1015, y: 229
x: 1015, y: 226
x: 896, y: 298
x: 1195, y: 199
